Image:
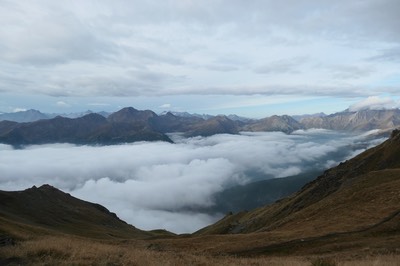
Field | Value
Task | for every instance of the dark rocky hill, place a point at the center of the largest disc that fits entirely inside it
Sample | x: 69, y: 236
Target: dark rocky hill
x: 89, y: 129
x: 131, y: 115
x: 283, y: 123
x: 47, y: 209
x: 212, y: 126
x: 169, y: 122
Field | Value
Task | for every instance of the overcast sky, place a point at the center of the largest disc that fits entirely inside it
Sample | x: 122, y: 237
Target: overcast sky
x: 253, y: 58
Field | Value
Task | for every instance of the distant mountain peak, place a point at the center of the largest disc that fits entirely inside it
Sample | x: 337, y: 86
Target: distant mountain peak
x: 355, y: 120
x: 130, y: 114
x: 283, y: 123
x: 128, y: 110
x: 24, y: 116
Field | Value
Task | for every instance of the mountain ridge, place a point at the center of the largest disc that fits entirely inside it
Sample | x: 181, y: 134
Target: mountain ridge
x: 130, y: 125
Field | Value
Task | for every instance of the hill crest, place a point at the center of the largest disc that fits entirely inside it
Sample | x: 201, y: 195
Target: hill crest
x: 48, y: 209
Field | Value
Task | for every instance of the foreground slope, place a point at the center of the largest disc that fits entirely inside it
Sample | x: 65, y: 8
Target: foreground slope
x: 45, y: 210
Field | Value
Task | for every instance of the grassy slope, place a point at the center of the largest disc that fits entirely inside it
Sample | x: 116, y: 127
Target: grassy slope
x: 46, y: 209
x: 260, y: 193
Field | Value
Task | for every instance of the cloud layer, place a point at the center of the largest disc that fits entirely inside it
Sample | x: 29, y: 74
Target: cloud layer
x: 156, y: 185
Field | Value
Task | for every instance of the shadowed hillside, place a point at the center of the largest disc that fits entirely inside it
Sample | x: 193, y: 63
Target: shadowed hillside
x: 47, y: 209
x: 126, y: 125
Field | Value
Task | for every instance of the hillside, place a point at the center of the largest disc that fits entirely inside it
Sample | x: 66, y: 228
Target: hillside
x: 283, y: 123
x: 212, y: 126
x: 47, y: 210
x: 260, y: 193
x: 359, y: 192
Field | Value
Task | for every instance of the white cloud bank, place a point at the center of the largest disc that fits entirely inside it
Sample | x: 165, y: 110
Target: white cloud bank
x: 375, y: 103
x: 158, y: 185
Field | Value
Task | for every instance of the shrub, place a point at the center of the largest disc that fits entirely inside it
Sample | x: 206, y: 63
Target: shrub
x: 323, y: 262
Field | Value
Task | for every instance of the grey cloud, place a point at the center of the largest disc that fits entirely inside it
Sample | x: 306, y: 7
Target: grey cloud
x: 143, y: 56
x: 290, y: 66
x: 278, y: 89
x: 387, y: 55
x: 350, y: 71
x: 125, y: 83
x: 51, y: 36
x: 153, y: 185
x: 222, y: 67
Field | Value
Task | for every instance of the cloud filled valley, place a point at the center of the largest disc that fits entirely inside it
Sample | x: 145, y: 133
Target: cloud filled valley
x: 160, y: 185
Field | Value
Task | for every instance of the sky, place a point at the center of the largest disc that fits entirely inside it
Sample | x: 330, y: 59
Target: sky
x: 154, y: 185
x: 252, y: 58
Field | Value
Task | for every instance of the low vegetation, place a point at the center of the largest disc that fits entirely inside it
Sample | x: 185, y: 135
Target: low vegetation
x: 76, y: 251
x: 66, y: 250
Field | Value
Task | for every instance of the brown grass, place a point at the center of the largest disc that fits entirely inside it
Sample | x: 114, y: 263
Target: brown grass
x: 67, y: 250
x: 75, y: 251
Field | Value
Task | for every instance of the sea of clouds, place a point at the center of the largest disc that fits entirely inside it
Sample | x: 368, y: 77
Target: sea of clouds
x: 156, y: 184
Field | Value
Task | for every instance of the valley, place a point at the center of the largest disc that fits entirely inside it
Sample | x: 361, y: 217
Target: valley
x: 352, y: 208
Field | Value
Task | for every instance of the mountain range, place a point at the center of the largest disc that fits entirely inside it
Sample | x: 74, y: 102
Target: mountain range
x: 129, y: 125
x: 351, y: 209
x: 32, y: 115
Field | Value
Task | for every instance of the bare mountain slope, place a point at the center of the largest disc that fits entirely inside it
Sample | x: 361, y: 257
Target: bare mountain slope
x: 282, y: 123
x: 355, y: 121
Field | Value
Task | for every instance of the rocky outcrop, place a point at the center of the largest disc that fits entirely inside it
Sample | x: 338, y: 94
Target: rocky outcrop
x: 355, y: 121
x: 283, y: 123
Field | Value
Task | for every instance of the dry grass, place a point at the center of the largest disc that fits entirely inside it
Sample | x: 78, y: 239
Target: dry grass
x: 388, y: 260
x: 74, y: 251
x: 79, y: 251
